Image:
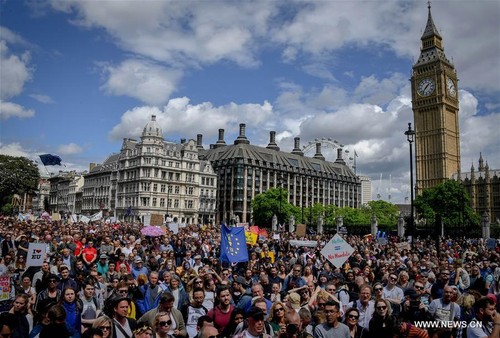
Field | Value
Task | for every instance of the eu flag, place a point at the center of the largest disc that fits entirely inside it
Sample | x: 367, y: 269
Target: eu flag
x: 48, y: 159
x: 233, y: 245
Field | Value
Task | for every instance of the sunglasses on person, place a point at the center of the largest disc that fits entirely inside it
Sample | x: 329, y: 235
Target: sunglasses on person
x: 105, y: 328
x: 383, y: 307
x: 122, y: 291
x: 353, y: 317
x: 279, y: 309
x: 378, y: 289
x: 419, y: 287
x: 165, y: 323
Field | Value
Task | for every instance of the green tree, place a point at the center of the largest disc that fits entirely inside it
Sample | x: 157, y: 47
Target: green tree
x: 387, y: 213
x: 451, y: 201
x: 18, y: 175
x: 353, y: 216
x: 267, y: 204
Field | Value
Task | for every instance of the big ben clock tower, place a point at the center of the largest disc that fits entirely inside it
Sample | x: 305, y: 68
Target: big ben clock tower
x: 435, y: 111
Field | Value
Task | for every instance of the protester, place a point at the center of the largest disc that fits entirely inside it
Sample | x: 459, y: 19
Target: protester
x: 332, y: 327
x: 279, y: 272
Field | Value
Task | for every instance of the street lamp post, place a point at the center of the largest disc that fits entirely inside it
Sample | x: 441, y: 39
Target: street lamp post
x: 168, y: 199
x: 410, y: 137
x: 280, y: 182
x: 310, y: 209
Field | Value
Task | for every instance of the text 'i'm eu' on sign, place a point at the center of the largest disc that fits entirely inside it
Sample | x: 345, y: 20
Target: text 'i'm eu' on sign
x: 337, y: 251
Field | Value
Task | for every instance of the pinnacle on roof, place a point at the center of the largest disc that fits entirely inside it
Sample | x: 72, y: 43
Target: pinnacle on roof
x: 430, y: 28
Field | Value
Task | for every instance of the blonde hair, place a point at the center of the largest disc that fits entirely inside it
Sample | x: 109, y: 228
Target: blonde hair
x: 157, y: 318
x: 271, y: 311
x: 103, y: 320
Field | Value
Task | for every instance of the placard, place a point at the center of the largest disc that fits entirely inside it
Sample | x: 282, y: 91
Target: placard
x: 36, y: 254
x: 174, y: 227
x: 337, y: 251
x: 4, y: 288
x: 301, y: 230
x: 156, y: 219
x: 147, y: 220
x: 251, y: 238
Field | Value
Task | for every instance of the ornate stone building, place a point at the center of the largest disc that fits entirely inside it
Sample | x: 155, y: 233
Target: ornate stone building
x: 244, y: 171
x: 483, y: 186
x: 435, y: 108
x: 154, y: 176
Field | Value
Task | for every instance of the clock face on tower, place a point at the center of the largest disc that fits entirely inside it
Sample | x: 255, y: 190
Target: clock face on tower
x: 426, y: 87
x: 450, y: 87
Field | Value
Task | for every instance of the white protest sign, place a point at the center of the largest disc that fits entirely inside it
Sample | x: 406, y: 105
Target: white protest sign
x: 337, y: 251
x: 147, y: 220
x: 36, y: 254
x: 174, y: 227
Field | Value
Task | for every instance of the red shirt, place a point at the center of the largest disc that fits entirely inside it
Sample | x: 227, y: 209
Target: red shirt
x: 89, y: 254
x: 221, y: 319
x: 78, y: 249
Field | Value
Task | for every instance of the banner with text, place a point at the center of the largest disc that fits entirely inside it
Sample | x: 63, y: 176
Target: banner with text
x: 337, y: 251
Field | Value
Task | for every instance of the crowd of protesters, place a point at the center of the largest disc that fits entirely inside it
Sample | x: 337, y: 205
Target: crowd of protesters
x: 108, y: 280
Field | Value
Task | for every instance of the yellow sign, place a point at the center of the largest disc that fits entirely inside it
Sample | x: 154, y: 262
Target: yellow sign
x: 251, y: 237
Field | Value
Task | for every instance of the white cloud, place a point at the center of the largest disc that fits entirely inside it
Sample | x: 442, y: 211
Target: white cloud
x: 14, y: 149
x: 10, y: 109
x: 179, y: 117
x: 42, y: 98
x: 141, y: 79
x: 178, y: 32
x: 182, y: 35
x: 15, y: 72
x: 69, y: 149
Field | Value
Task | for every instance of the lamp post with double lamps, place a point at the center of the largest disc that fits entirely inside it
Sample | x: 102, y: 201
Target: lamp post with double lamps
x: 410, y: 137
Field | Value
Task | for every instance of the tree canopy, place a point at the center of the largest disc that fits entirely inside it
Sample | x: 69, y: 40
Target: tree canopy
x: 18, y: 175
x: 451, y: 201
x: 267, y: 204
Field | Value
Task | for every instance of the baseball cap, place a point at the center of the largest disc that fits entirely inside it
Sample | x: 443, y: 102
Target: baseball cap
x: 138, y: 260
x: 103, y: 256
x: 294, y: 299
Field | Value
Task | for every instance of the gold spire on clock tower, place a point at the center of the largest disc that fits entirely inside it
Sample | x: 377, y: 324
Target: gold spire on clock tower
x: 435, y: 111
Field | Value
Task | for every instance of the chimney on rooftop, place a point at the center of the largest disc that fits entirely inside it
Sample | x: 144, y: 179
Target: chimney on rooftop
x: 296, y: 148
x: 339, y: 156
x: 242, y: 138
x: 199, y: 141
x: 220, y: 142
x: 272, y: 141
x: 318, y: 154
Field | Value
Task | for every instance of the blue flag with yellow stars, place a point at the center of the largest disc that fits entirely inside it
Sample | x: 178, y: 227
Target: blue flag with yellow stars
x: 233, y: 245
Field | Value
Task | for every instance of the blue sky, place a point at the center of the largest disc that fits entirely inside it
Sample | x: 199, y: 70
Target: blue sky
x: 79, y: 76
